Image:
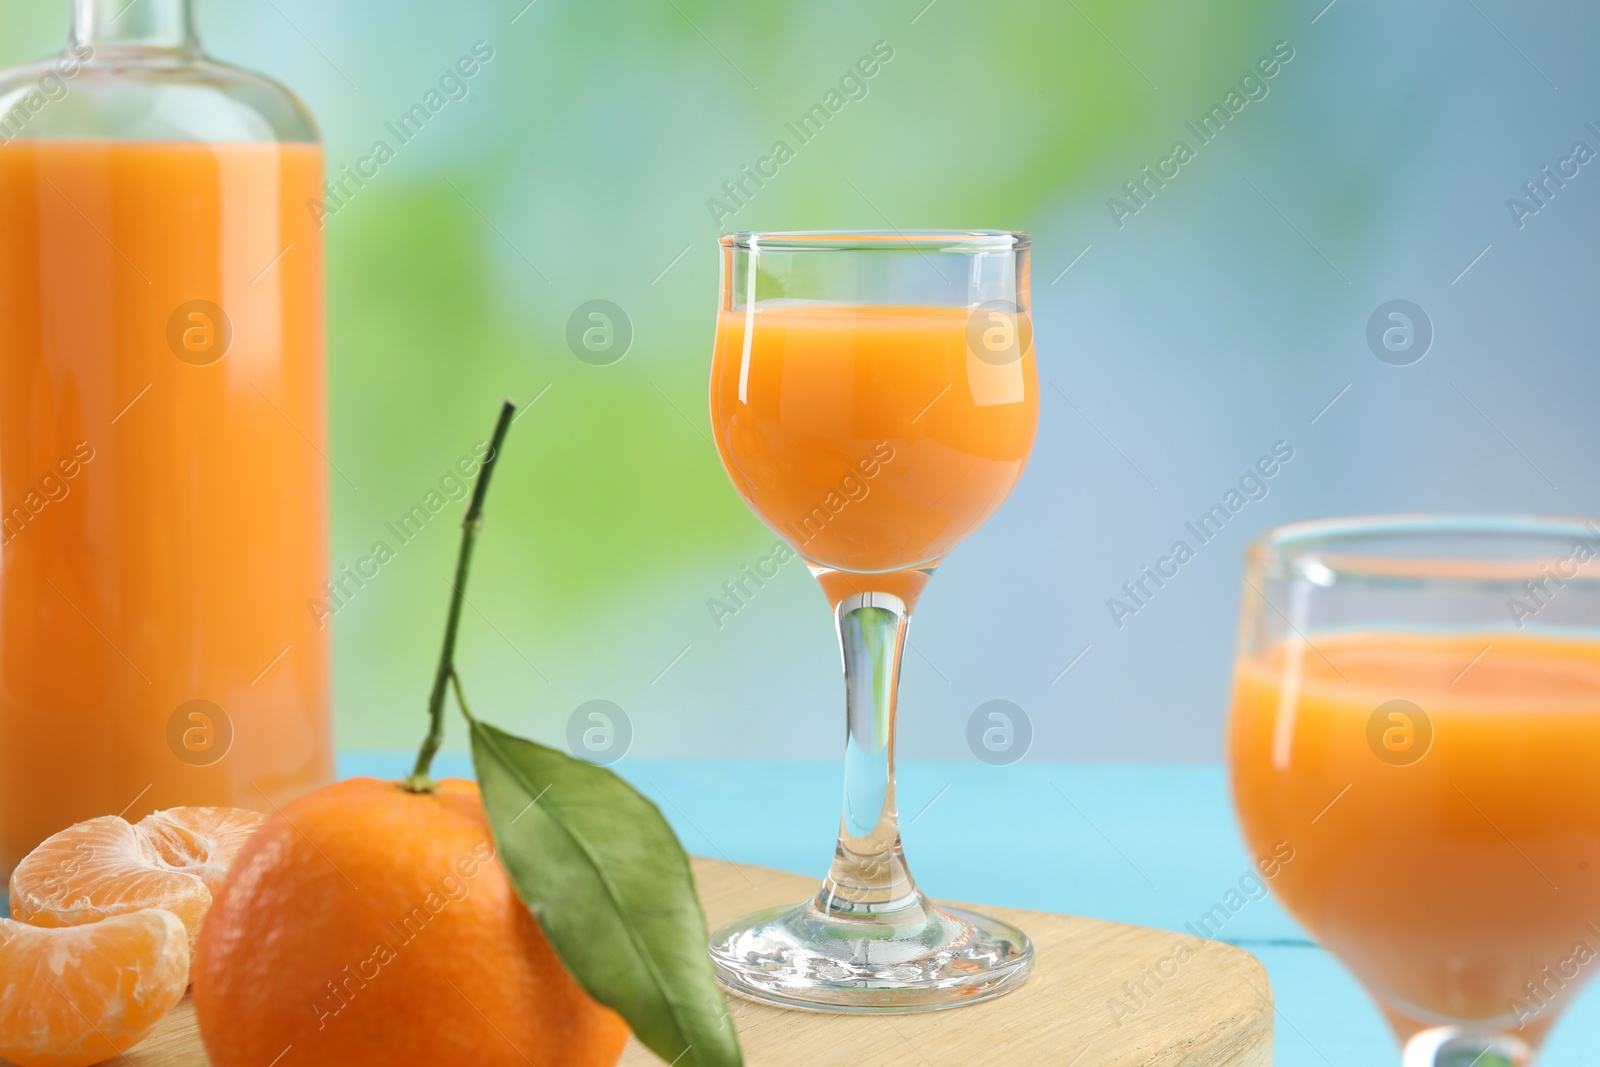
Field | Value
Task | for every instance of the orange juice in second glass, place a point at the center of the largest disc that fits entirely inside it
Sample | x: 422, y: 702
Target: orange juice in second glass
x: 1456, y: 885
x: 872, y: 437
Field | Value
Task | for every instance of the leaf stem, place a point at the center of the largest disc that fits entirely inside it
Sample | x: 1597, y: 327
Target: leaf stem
x: 419, y: 780
x: 461, y: 698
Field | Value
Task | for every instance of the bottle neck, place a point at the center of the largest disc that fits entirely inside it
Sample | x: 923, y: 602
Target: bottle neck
x: 162, y: 24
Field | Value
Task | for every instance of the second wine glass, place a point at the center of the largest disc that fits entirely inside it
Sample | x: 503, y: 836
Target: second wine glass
x: 1415, y: 728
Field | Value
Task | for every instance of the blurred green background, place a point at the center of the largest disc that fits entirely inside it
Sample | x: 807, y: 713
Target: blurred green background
x: 1174, y: 347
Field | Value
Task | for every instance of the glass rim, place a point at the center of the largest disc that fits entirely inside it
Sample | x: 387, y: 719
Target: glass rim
x: 952, y: 241
x: 1322, y: 550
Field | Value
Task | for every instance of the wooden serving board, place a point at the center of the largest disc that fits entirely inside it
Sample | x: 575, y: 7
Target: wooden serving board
x: 1102, y: 994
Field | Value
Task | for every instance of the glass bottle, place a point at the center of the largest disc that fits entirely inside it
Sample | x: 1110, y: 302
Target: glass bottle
x: 163, y: 480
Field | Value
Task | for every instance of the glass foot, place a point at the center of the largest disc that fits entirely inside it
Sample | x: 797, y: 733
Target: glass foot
x: 802, y: 957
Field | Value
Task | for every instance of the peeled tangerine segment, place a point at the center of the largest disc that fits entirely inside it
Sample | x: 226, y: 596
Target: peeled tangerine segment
x: 200, y: 841
x: 71, y: 996
x: 100, y: 868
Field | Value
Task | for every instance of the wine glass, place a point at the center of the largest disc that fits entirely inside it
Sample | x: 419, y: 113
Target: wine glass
x: 1414, y: 741
x: 874, y: 400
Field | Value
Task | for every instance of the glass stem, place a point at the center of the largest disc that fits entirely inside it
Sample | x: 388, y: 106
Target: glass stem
x: 133, y: 24
x: 869, y: 878
x: 1446, y: 1046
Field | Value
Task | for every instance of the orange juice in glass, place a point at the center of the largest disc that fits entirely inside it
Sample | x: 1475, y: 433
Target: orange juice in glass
x: 874, y: 399
x: 1416, y: 712
x: 162, y: 475
x: 828, y: 446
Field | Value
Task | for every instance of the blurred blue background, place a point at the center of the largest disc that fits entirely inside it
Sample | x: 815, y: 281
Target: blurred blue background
x: 1177, y: 343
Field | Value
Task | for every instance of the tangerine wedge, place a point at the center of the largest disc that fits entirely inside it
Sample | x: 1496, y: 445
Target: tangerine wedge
x: 100, y: 868
x: 199, y: 841
x: 71, y: 996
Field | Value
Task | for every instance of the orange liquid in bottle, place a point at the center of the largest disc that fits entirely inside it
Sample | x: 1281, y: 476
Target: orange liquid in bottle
x: 164, y: 504
x: 1434, y: 880
x: 871, y: 438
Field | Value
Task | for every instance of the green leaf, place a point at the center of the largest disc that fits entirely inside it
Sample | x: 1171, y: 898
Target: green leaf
x: 605, y: 876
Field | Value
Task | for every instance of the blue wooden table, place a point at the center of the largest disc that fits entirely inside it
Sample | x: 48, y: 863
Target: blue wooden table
x: 1152, y: 844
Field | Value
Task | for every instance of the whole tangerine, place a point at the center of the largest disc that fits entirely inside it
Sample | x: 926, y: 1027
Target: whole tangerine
x: 366, y: 923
